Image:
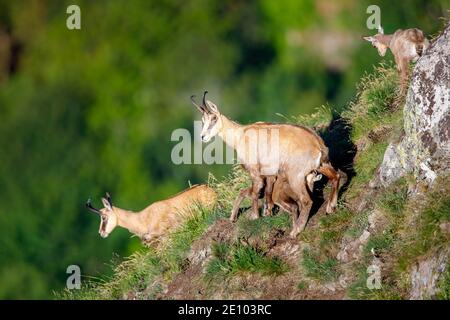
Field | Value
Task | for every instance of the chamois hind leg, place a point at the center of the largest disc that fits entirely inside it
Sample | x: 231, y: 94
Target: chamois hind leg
x: 244, y: 193
x: 334, y: 177
x: 268, y: 208
x: 304, y: 205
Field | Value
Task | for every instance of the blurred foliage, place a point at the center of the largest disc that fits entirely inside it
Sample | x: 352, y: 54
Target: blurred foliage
x: 88, y: 111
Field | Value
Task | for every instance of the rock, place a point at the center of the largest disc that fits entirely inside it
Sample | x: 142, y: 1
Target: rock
x: 352, y: 249
x: 392, y: 168
x: 425, y: 147
x: 426, y: 274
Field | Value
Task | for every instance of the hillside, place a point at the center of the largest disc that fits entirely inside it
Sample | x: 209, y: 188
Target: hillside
x: 392, y: 217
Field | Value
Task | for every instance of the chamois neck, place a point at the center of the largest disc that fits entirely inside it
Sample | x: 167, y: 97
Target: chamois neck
x: 385, y: 39
x: 129, y: 220
x: 231, y: 131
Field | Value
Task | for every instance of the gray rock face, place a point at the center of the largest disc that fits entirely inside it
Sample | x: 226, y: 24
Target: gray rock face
x: 425, y: 276
x: 425, y: 147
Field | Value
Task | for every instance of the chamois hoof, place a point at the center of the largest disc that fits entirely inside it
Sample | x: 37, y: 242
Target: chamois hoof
x: 330, y: 208
x: 267, y: 213
x: 293, y: 234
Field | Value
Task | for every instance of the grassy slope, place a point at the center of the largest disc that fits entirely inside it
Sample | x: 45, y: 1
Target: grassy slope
x: 409, y: 228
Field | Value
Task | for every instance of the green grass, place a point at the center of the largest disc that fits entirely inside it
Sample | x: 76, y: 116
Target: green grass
x: 132, y: 275
x: 229, y: 260
x: 374, y: 101
x: 318, y: 120
x: 358, y: 224
x: 302, y: 285
x: 365, y: 166
x: 412, y: 233
x: 322, y: 271
x: 261, y: 227
x: 444, y: 285
x: 177, y: 247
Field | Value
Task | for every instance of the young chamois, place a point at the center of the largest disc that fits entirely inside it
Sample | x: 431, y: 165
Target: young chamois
x: 272, y: 150
x: 282, y: 194
x: 406, y: 46
x: 158, y: 218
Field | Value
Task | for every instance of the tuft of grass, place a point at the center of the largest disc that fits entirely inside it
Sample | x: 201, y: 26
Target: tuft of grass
x: 130, y: 276
x: 228, y: 188
x: 229, y: 260
x: 444, y: 284
x: 318, y: 120
x: 302, y: 285
x: 365, y: 166
x: 372, y: 105
x: 322, y: 271
x: 175, y: 250
x: 358, y: 224
x: 395, y: 198
x: 261, y: 227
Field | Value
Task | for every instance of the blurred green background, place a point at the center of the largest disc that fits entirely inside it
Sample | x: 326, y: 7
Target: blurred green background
x: 92, y: 110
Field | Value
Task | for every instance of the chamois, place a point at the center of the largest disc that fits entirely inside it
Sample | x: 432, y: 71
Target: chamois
x: 406, y: 46
x: 282, y: 195
x: 156, y: 219
x: 269, y: 150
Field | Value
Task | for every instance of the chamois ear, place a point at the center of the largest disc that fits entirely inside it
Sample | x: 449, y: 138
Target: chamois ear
x: 106, y: 204
x: 212, y: 107
x: 369, y: 38
x: 380, y: 29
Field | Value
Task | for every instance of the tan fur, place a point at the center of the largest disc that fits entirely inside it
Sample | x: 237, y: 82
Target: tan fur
x: 301, y: 152
x: 406, y: 46
x: 159, y: 217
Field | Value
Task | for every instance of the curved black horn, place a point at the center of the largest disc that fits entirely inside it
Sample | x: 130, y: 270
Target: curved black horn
x: 108, y: 197
x: 204, y: 100
x: 200, y: 108
x: 91, y: 208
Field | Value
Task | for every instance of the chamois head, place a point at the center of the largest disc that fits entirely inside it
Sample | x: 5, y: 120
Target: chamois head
x: 211, y: 120
x: 377, y: 41
x: 108, y: 218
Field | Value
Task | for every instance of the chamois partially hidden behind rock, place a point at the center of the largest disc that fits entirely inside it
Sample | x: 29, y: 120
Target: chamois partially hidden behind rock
x: 406, y: 46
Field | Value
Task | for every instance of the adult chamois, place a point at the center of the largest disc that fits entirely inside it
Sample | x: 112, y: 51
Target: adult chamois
x: 156, y: 219
x: 269, y: 150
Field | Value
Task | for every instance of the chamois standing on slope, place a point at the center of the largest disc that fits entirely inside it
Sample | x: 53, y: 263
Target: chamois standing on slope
x: 294, y: 154
x: 406, y: 46
x: 158, y: 218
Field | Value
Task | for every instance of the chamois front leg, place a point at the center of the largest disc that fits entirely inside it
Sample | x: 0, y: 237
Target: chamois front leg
x: 268, y: 208
x: 244, y: 193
